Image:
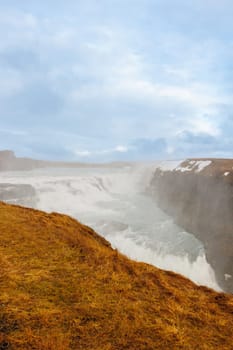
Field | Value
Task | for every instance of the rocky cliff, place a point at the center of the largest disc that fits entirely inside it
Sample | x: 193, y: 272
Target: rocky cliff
x: 63, y: 287
x: 199, y: 195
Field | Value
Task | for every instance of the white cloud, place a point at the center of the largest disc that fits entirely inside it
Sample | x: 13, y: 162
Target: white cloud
x: 88, y: 153
x: 121, y: 149
x: 83, y: 153
x: 204, y: 125
x: 128, y: 76
x: 190, y: 98
x: 138, y: 81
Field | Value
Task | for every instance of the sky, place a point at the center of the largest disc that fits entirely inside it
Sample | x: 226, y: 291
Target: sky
x: 107, y: 80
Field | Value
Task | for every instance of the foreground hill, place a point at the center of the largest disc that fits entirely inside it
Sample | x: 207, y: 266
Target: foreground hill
x: 198, y: 194
x: 63, y: 287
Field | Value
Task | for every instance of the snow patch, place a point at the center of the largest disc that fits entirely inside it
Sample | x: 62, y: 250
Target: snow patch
x: 227, y: 276
x: 194, y: 165
x: 202, y: 165
x: 226, y: 173
x: 167, y: 165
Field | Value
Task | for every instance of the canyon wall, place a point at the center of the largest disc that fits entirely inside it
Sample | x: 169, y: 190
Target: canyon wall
x: 198, y: 194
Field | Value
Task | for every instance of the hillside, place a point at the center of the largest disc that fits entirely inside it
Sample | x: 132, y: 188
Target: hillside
x: 198, y: 194
x: 63, y: 287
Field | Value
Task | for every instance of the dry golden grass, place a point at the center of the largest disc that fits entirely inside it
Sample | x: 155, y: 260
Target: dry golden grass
x: 62, y: 287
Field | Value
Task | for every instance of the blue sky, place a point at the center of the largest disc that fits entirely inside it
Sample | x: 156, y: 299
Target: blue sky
x: 102, y: 80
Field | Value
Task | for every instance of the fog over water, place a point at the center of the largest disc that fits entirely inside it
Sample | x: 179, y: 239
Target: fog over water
x: 114, y: 202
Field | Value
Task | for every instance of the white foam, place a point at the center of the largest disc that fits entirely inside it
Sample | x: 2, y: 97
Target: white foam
x: 198, y: 271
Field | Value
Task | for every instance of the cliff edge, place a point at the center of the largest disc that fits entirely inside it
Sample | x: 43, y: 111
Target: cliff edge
x: 198, y: 194
x: 63, y: 287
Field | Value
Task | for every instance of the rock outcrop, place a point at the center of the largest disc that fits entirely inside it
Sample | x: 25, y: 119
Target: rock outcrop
x: 63, y: 287
x: 198, y: 194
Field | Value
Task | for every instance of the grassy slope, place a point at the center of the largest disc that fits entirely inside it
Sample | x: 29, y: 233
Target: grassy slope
x: 63, y: 287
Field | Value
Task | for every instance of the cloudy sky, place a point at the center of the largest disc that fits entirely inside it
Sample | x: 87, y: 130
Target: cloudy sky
x: 116, y: 79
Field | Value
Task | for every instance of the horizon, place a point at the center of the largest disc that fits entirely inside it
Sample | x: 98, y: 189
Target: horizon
x: 107, y: 81
x: 111, y: 161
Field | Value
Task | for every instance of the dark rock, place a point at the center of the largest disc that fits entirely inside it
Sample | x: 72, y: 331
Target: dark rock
x: 4, y: 345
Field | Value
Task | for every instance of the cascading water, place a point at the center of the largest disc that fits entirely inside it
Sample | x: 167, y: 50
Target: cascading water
x: 113, y: 201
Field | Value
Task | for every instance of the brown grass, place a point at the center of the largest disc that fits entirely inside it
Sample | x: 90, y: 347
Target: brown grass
x: 63, y: 287
x: 217, y: 168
